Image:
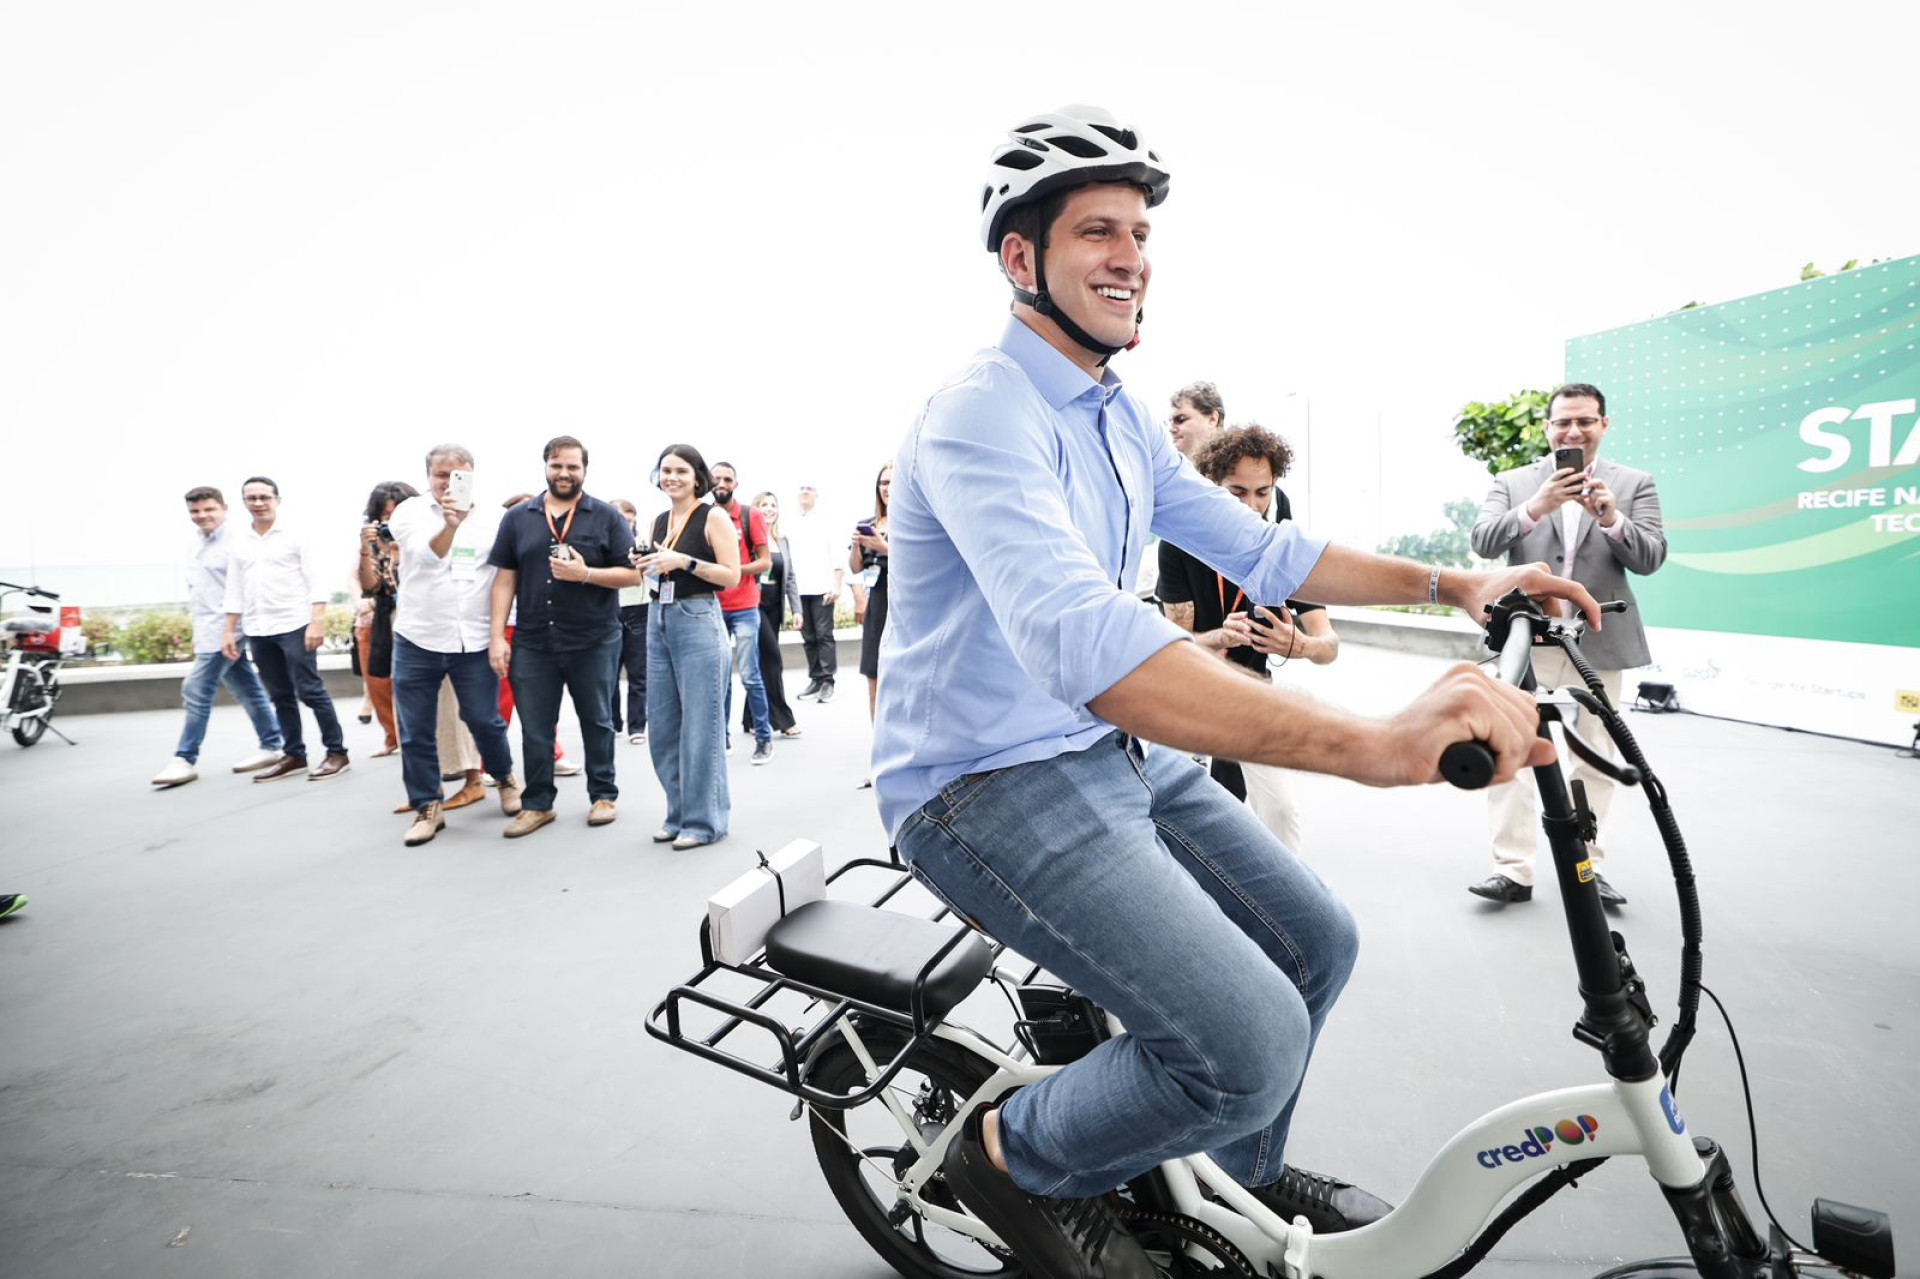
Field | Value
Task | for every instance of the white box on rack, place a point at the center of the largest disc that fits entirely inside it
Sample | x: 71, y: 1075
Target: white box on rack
x: 741, y: 914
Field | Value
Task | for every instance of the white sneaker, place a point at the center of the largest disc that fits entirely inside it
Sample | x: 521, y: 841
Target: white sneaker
x: 257, y: 760
x: 177, y: 773
x: 564, y: 767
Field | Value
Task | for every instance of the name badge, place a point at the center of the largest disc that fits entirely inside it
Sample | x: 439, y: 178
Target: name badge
x: 465, y: 563
x: 666, y: 590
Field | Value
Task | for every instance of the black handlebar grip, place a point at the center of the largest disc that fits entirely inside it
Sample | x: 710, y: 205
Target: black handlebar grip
x: 1468, y: 765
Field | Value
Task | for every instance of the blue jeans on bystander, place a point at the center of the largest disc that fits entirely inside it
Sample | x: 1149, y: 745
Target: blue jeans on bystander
x: 417, y: 675
x: 210, y: 670
x: 687, y: 684
x: 538, y: 676
x: 743, y: 630
x: 292, y: 676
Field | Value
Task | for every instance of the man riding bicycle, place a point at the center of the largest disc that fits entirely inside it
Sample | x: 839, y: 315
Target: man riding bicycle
x: 1023, y: 686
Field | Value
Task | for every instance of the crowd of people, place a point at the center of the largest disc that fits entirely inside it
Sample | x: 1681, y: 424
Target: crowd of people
x: 466, y: 611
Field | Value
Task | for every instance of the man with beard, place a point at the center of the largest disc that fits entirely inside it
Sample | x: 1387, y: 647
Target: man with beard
x: 562, y: 558
x: 740, y: 607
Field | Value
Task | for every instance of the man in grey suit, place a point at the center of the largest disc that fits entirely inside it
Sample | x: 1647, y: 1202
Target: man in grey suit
x: 1595, y: 523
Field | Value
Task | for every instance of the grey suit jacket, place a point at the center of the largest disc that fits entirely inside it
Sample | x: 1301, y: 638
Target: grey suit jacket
x: 1600, y: 563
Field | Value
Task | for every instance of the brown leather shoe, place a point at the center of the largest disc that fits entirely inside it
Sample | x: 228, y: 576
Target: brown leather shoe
x: 529, y: 821
x: 510, y: 789
x: 425, y: 826
x: 287, y: 767
x: 602, y: 813
x: 332, y: 766
x: 471, y: 793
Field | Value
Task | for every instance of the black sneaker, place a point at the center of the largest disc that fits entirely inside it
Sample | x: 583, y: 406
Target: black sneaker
x: 1053, y: 1238
x: 762, y: 752
x: 1328, y: 1205
x: 11, y: 902
x: 826, y: 692
x: 811, y: 691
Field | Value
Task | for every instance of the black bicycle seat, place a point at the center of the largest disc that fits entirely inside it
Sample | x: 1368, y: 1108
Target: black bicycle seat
x: 875, y: 955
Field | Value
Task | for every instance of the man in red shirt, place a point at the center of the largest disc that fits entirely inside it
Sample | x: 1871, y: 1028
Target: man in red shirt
x: 740, y: 606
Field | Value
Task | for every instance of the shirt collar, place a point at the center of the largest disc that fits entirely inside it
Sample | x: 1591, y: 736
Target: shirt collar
x: 1059, y: 380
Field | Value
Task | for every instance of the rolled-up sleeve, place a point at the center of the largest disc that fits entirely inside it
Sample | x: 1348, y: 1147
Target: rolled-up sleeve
x: 1204, y: 520
x: 990, y: 479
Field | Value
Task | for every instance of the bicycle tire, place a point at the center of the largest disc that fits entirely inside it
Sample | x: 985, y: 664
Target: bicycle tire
x: 929, y: 1086
x: 30, y: 731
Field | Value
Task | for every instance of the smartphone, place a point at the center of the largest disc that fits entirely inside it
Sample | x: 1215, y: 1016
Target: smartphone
x: 460, y: 490
x: 1569, y: 459
x: 864, y: 528
x: 641, y: 548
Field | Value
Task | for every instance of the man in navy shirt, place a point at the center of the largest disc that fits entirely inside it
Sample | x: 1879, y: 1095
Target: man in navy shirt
x: 562, y: 558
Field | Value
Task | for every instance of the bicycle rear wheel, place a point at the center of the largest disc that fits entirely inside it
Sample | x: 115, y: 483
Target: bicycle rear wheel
x: 863, y: 1152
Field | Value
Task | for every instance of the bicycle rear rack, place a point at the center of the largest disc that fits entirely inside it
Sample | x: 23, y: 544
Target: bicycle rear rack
x: 665, y: 1022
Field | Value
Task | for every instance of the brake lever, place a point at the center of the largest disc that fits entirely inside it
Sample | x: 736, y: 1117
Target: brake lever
x: 1626, y: 775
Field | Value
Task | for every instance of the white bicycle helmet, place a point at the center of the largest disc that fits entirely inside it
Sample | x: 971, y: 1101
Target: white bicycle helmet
x: 1071, y: 147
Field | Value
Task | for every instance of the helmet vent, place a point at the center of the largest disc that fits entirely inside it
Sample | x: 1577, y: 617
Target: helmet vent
x: 1082, y: 147
x: 1019, y: 160
x: 1035, y: 127
x: 1124, y: 137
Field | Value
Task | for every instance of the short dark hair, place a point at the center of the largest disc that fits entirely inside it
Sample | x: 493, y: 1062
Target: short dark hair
x: 1033, y: 219
x: 1228, y: 449
x: 559, y: 442
x: 1204, y: 396
x: 702, y: 477
x: 259, y: 479
x: 395, y: 491
x: 730, y: 466
x: 205, y: 493
x: 1576, y: 390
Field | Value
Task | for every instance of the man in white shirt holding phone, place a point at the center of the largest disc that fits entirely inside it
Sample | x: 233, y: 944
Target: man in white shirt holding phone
x: 440, y: 632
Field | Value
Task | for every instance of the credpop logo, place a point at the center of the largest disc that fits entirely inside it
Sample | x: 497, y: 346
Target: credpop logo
x: 1536, y: 1142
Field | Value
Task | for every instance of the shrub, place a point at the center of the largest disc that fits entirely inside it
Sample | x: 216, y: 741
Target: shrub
x: 99, y: 630
x: 156, y: 637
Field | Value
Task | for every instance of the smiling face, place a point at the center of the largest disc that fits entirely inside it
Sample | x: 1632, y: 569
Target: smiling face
x: 724, y: 482
x: 263, y: 504
x: 1575, y: 422
x: 676, y: 478
x: 207, y: 514
x: 1096, y: 267
x: 566, y: 474
x: 769, y: 507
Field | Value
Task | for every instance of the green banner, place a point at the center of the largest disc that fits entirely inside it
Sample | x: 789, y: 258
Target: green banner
x: 1783, y: 431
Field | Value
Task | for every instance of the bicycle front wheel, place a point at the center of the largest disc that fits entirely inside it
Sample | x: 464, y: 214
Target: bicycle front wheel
x: 865, y: 1150
x: 27, y: 732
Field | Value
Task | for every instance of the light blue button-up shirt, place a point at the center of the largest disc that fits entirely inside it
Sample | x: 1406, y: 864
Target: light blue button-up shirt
x: 1022, y: 500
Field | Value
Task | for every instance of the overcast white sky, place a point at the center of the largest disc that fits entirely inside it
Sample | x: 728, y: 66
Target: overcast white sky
x: 309, y: 240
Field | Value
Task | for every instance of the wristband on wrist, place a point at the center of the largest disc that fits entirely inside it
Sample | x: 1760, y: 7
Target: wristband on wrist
x: 1433, y: 587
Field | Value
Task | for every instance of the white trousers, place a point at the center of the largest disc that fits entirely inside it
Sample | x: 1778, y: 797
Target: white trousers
x: 1270, y: 796
x: 1513, y: 808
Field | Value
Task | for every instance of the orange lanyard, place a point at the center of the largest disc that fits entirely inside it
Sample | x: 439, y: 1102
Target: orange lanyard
x: 1220, y: 580
x: 559, y: 536
x: 673, y: 534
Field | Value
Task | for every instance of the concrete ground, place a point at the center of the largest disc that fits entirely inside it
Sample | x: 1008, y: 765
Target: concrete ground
x: 244, y: 1032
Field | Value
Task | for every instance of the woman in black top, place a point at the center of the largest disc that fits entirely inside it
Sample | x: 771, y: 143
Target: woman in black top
x: 870, y: 549
x: 378, y: 569
x: 691, y: 554
x: 777, y: 592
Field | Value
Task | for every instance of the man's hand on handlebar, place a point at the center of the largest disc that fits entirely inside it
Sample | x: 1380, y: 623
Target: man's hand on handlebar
x: 1476, y: 592
x: 1465, y: 704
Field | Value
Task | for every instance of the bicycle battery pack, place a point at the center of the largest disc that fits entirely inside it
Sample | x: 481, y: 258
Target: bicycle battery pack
x: 1058, y: 1025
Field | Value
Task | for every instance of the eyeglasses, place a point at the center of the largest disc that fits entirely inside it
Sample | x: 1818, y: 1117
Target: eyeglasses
x: 1567, y: 423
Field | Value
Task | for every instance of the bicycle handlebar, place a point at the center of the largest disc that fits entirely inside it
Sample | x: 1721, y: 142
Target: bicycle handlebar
x: 1470, y: 764
x: 30, y: 590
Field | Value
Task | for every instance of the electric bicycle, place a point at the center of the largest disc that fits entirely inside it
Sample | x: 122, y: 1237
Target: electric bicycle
x: 884, y: 1079
x: 30, y: 681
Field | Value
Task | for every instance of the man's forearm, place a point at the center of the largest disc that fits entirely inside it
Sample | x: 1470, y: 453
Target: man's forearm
x: 1253, y: 722
x: 613, y: 577
x: 1346, y: 576
x: 500, y: 602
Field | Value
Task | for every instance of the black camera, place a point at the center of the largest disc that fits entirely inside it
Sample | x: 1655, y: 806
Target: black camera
x: 384, y: 531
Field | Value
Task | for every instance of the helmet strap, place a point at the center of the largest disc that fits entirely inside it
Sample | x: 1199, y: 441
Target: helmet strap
x: 1040, y: 301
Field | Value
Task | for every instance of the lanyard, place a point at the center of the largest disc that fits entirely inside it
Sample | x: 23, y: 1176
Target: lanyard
x: 1220, y: 580
x: 560, y: 533
x: 674, y: 534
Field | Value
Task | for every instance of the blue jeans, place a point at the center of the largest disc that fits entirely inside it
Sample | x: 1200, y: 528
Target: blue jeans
x: 417, y: 675
x: 687, y: 685
x: 633, y: 660
x: 1136, y: 879
x: 292, y: 677
x: 210, y: 670
x: 588, y: 674
x: 743, y: 628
